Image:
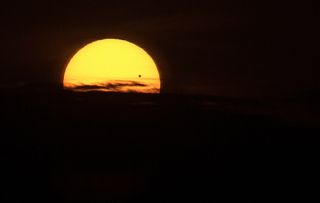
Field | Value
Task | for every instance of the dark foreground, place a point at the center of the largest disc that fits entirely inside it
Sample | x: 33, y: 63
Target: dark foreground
x: 60, y: 147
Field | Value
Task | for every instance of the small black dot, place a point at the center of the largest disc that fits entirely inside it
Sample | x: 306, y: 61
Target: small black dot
x: 139, y: 76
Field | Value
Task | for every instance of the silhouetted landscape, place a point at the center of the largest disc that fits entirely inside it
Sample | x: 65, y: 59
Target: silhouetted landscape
x: 63, y: 146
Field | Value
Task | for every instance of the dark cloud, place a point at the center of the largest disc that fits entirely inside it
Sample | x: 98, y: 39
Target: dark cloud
x: 110, y: 86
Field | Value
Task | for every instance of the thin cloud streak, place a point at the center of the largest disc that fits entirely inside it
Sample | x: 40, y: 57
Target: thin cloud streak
x: 118, y: 86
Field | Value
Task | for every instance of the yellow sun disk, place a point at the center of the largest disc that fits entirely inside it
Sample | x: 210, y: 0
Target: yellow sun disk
x: 113, y: 61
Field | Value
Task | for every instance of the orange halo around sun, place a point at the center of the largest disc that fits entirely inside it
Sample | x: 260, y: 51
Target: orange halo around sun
x: 112, y: 65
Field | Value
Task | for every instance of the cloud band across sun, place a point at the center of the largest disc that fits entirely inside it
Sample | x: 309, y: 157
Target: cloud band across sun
x: 117, y: 86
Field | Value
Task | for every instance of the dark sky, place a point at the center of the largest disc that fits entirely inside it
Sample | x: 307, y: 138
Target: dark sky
x: 230, y: 47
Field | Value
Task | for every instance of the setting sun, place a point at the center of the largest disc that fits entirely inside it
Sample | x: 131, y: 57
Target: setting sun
x: 112, y: 65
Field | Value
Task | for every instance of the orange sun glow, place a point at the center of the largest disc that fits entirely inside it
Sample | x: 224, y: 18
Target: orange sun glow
x: 112, y: 65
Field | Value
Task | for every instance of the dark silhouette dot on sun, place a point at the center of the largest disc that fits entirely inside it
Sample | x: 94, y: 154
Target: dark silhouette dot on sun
x: 140, y: 76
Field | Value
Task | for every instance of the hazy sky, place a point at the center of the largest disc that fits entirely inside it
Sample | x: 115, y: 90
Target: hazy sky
x: 225, y: 47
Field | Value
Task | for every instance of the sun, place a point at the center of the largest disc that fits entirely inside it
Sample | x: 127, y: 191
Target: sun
x: 112, y: 65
